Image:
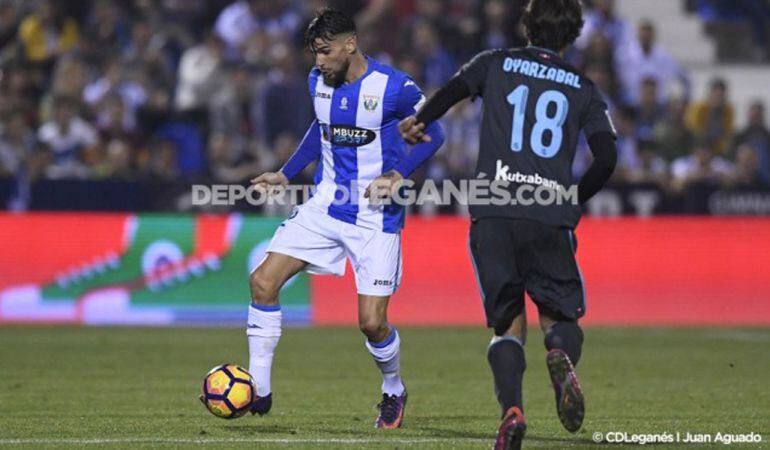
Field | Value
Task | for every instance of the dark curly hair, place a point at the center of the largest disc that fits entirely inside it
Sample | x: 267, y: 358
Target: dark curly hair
x: 553, y: 24
x: 327, y: 24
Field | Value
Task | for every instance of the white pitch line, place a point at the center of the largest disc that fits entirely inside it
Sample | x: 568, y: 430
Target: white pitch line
x: 404, y: 441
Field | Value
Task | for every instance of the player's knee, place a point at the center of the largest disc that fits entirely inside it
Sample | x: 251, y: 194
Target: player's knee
x: 374, y: 328
x: 264, y: 289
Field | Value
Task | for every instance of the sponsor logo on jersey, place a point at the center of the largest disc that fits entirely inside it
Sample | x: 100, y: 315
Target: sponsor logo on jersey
x: 325, y: 95
x: 346, y: 135
x: 503, y: 173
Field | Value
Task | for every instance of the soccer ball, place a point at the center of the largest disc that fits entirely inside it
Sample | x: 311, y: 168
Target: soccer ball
x: 228, y: 391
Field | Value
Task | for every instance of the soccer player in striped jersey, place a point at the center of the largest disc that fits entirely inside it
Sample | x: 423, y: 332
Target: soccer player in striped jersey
x: 355, y: 139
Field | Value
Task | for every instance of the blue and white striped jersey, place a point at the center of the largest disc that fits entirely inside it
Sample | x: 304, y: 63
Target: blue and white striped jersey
x: 355, y: 138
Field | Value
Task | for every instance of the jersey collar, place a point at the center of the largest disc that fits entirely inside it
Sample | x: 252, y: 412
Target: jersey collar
x: 545, y: 50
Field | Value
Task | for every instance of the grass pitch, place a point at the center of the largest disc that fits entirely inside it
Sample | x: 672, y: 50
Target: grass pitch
x: 137, y: 387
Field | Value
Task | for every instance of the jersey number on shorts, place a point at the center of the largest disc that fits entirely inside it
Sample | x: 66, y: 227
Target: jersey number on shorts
x: 543, y: 122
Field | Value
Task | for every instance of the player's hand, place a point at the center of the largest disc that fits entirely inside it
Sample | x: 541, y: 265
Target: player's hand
x: 383, y: 187
x: 412, y: 132
x: 270, y: 182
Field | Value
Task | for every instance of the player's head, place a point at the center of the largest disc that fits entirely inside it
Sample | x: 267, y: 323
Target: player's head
x: 553, y: 24
x: 331, y: 36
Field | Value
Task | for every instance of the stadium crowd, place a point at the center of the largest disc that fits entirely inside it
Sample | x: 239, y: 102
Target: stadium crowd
x: 216, y: 90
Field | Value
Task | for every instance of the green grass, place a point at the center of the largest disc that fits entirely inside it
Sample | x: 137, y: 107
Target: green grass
x: 138, y: 387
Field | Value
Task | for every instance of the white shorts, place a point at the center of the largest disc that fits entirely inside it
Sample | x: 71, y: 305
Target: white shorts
x: 324, y: 242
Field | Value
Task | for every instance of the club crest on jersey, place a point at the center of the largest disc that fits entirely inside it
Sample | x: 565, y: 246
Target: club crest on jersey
x: 371, y: 102
x: 344, y: 103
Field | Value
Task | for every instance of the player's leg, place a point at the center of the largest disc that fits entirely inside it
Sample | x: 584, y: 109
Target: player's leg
x: 491, y: 249
x: 376, y: 258
x: 384, y: 344
x: 506, y: 358
x: 307, y: 240
x: 564, y: 335
x: 382, y: 341
x: 264, y: 324
x: 564, y: 341
x: 505, y: 355
x: 553, y: 281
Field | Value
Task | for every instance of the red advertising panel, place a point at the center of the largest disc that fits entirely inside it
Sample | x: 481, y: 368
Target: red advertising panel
x: 658, y: 271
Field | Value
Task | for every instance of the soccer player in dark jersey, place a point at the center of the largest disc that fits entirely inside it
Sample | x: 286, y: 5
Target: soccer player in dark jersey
x: 535, y: 105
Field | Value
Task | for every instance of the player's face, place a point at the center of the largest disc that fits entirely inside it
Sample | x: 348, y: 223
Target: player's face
x: 332, y: 58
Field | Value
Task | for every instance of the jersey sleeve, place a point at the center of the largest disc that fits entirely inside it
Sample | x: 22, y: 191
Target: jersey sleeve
x: 596, y: 117
x: 474, y: 72
x: 312, y: 80
x: 410, y: 99
x: 308, y: 151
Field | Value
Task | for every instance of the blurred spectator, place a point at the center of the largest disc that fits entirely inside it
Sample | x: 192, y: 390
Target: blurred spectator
x: 458, y: 155
x: 671, y: 136
x: 189, y: 148
x: 69, y: 79
x: 713, y: 119
x: 234, y: 107
x: 703, y: 166
x: 116, y: 82
x: 9, y: 28
x: 748, y: 174
x: 162, y: 163
x: 649, y: 112
x: 18, y: 93
x: 287, y: 107
x: 651, y: 167
x: 227, y: 162
x: 603, y: 19
x: 16, y: 144
x: 603, y: 77
x: 69, y: 137
x: 757, y: 136
x: 243, y: 18
x: 148, y: 50
x: 47, y: 33
x: 117, y: 162
x: 200, y: 75
x: 106, y: 32
x: 438, y: 64
x: 501, y: 24
x: 112, y: 124
x: 156, y: 112
x: 598, y: 52
x: 747, y: 171
x: 628, y: 159
x: 644, y: 59
x: 284, y: 146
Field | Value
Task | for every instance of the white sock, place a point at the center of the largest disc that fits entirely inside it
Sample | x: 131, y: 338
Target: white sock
x: 263, y: 332
x: 386, y: 355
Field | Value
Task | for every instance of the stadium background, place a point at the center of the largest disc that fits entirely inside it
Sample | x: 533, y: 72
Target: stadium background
x: 99, y: 227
